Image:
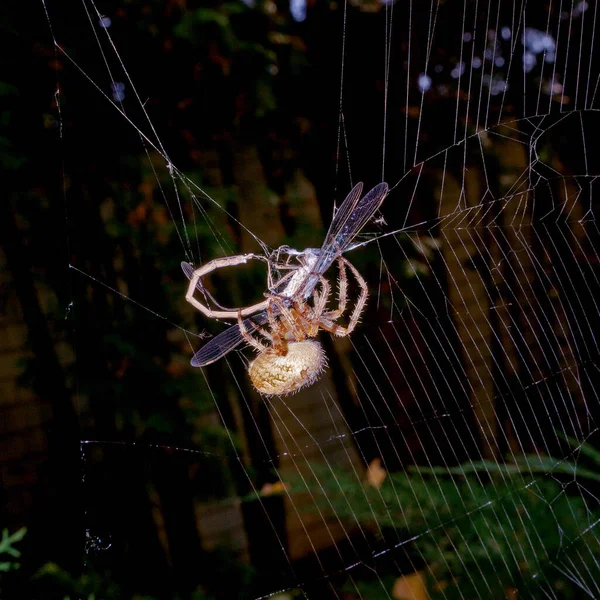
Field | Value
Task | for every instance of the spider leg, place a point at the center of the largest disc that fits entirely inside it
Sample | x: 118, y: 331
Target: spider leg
x: 320, y: 302
x: 293, y: 322
x: 277, y: 328
x: 325, y: 321
x: 343, y: 292
x: 301, y: 320
x: 264, y: 333
x: 271, y: 281
x: 218, y: 263
x: 327, y: 325
x: 276, y: 264
x: 246, y: 335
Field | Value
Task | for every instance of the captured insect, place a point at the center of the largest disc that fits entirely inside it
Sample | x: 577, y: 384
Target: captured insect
x: 296, y: 303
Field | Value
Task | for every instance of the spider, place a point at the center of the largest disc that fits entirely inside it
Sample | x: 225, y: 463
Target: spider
x: 295, y: 307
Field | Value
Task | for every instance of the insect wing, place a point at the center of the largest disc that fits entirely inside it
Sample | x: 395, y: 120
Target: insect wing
x: 189, y: 271
x: 353, y: 216
x: 342, y: 214
x: 226, y: 341
x: 328, y: 251
x: 361, y: 215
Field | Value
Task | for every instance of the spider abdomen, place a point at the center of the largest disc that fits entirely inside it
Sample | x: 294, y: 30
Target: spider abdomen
x: 276, y: 375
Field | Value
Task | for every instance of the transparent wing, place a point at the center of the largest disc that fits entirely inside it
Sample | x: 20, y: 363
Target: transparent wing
x: 226, y: 341
x: 189, y: 273
x: 343, y: 213
x: 351, y: 217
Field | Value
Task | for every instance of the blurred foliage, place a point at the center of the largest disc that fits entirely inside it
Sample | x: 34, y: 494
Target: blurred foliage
x: 53, y: 581
x: 7, y: 548
x: 475, y: 530
x: 234, y: 50
x: 226, y: 578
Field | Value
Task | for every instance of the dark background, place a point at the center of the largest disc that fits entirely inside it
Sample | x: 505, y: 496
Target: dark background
x: 240, y: 97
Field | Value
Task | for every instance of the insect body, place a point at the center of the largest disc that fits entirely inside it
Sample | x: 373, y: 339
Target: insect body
x: 296, y: 304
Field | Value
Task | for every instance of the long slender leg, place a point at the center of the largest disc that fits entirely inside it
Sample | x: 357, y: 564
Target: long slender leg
x: 332, y: 327
x: 271, y: 281
x: 218, y: 263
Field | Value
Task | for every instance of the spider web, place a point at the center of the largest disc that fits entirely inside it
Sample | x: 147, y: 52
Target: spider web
x: 450, y: 446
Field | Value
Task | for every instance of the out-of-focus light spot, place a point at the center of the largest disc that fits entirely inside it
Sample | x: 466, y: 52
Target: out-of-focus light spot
x: 556, y: 88
x: 249, y: 3
x: 488, y: 54
x: 476, y: 62
x: 458, y: 70
x: 105, y: 22
x: 50, y: 122
x: 498, y: 86
x: 505, y: 33
x: 492, y: 35
x: 118, y: 91
x: 537, y: 41
x: 550, y: 57
x: 298, y: 10
x: 580, y: 8
x: 499, y: 61
x: 438, y: 68
x: 424, y: 82
x: 529, y: 61
x: 467, y: 37
x: 273, y: 70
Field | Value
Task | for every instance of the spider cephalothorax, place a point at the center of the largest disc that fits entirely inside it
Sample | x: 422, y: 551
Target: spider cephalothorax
x: 282, y: 327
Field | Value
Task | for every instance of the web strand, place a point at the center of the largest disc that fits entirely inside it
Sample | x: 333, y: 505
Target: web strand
x: 452, y: 437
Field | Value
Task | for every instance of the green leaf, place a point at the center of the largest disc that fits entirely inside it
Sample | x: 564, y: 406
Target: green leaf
x: 18, y: 535
x: 585, y: 449
x: 8, y: 90
x: 525, y: 465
